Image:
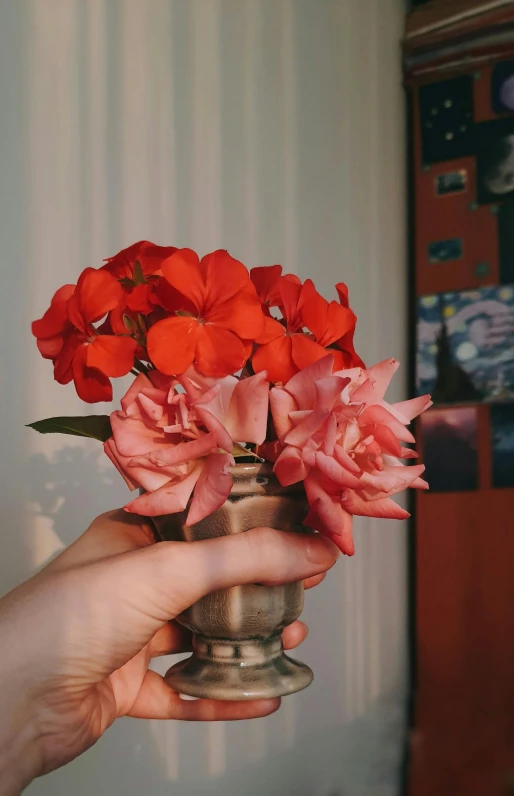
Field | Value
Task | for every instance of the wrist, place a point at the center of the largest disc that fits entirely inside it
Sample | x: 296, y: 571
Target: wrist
x: 19, y: 752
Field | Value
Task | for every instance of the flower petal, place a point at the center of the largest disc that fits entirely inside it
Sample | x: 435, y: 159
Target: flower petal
x: 290, y: 468
x: 247, y: 416
x: 111, y: 355
x: 282, y: 404
x: 182, y: 272
x: 223, y: 277
x: 219, y: 352
x: 55, y: 319
x: 139, y: 383
x: 272, y: 330
x: 133, y: 437
x: 381, y: 375
x: 385, y: 508
x: 242, y: 314
x: 212, y: 488
x: 172, y: 455
x: 302, y: 386
x: 380, y: 415
x: 172, y: 343
x: 276, y: 359
x: 169, y: 499
x: 335, y: 472
x: 90, y: 383
x: 408, y: 410
x: 96, y: 294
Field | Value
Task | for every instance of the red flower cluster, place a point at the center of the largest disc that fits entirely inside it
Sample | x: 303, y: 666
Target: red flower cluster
x: 160, y: 307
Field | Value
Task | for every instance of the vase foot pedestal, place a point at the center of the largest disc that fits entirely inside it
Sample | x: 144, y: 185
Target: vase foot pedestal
x: 238, y: 669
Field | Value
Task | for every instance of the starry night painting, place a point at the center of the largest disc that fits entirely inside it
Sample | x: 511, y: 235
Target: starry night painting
x: 465, y: 346
x: 502, y: 434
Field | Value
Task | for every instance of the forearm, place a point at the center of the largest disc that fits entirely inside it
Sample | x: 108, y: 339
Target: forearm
x: 20, y: 759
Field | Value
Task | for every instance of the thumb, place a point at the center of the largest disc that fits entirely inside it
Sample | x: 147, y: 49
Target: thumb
x: 180, y: 573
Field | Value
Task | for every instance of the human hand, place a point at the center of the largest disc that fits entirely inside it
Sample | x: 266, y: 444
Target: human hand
x: 78, y: 637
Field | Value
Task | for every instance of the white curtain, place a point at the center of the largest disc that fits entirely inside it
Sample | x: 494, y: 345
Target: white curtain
x: 273, y: 128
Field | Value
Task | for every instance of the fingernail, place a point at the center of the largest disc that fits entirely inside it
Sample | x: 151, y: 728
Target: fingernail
x: 321, y: 550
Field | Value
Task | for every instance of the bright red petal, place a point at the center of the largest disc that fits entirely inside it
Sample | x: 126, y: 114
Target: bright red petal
x: 223, y: 278
x: 152, y: 257
x: 51, y: 347
x: 112, y: 356
x: 97, y: 293
x: 63, y: 364
x: 265, y: 278
x: 351, y: 358
x: 91, y: 385
x: 171, y: 344
x: 327, y: 321
x: 55, y: 319
x: 305, y: 351
x: 342, y: 292
x: 139, y: 299
x: 272, y: 330
x: 182, y: 272
x: 242, y: 315
x: 121, y: 265
x: 276, y: 358
x: 219, y: 352
x: 290, y: 293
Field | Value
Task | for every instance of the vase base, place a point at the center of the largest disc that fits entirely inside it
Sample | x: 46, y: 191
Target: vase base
x: 238, y: 670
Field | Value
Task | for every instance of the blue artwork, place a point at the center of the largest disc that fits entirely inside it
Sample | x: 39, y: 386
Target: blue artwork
x: 502, y: 433
x: 465, y: 346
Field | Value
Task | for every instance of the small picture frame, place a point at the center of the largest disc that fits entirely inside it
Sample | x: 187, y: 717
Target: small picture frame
x: 451, y: 182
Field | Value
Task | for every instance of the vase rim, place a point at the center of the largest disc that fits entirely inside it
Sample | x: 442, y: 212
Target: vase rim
x: 258, y: 478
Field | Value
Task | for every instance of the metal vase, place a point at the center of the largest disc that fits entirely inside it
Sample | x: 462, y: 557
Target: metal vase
x: 237, y: 633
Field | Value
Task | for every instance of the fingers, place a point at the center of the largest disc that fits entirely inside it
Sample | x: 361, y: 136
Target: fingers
x: 309, y: 583
x: 184, y: 572
x: 110, y: 534
x: 157, y: 701
x: 169, y: 640
x: 294, y: 635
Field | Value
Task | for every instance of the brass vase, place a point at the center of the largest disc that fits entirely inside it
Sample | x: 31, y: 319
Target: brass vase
x: 237, y: 633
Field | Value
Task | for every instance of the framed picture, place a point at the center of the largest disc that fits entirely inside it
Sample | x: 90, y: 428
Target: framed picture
x: 446, y: 119
x: 495, y: 161
x: 465, y: 345
x: 450, y: 448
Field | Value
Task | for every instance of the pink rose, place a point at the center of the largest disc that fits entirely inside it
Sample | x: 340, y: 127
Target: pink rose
x: 338, y: 435
x: 173, y: 436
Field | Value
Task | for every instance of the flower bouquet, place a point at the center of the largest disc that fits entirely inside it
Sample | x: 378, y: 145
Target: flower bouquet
x: 249, y: 406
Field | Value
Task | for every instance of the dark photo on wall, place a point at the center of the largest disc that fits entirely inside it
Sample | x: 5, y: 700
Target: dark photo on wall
x: 446, y: 119
x: 495, y: 161
x: 502, y: 88
x: 502, y: 441
x: 465, y: 345
x: 450, y: 449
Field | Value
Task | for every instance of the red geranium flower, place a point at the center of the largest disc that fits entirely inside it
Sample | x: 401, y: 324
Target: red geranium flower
x: 284, y: 350
x: 138, y: 269
x: 67, y: 336
x: 216, y: 315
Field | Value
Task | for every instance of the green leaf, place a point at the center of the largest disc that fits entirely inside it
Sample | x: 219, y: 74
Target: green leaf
x: 92, y: 426
x: 139, y: 277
